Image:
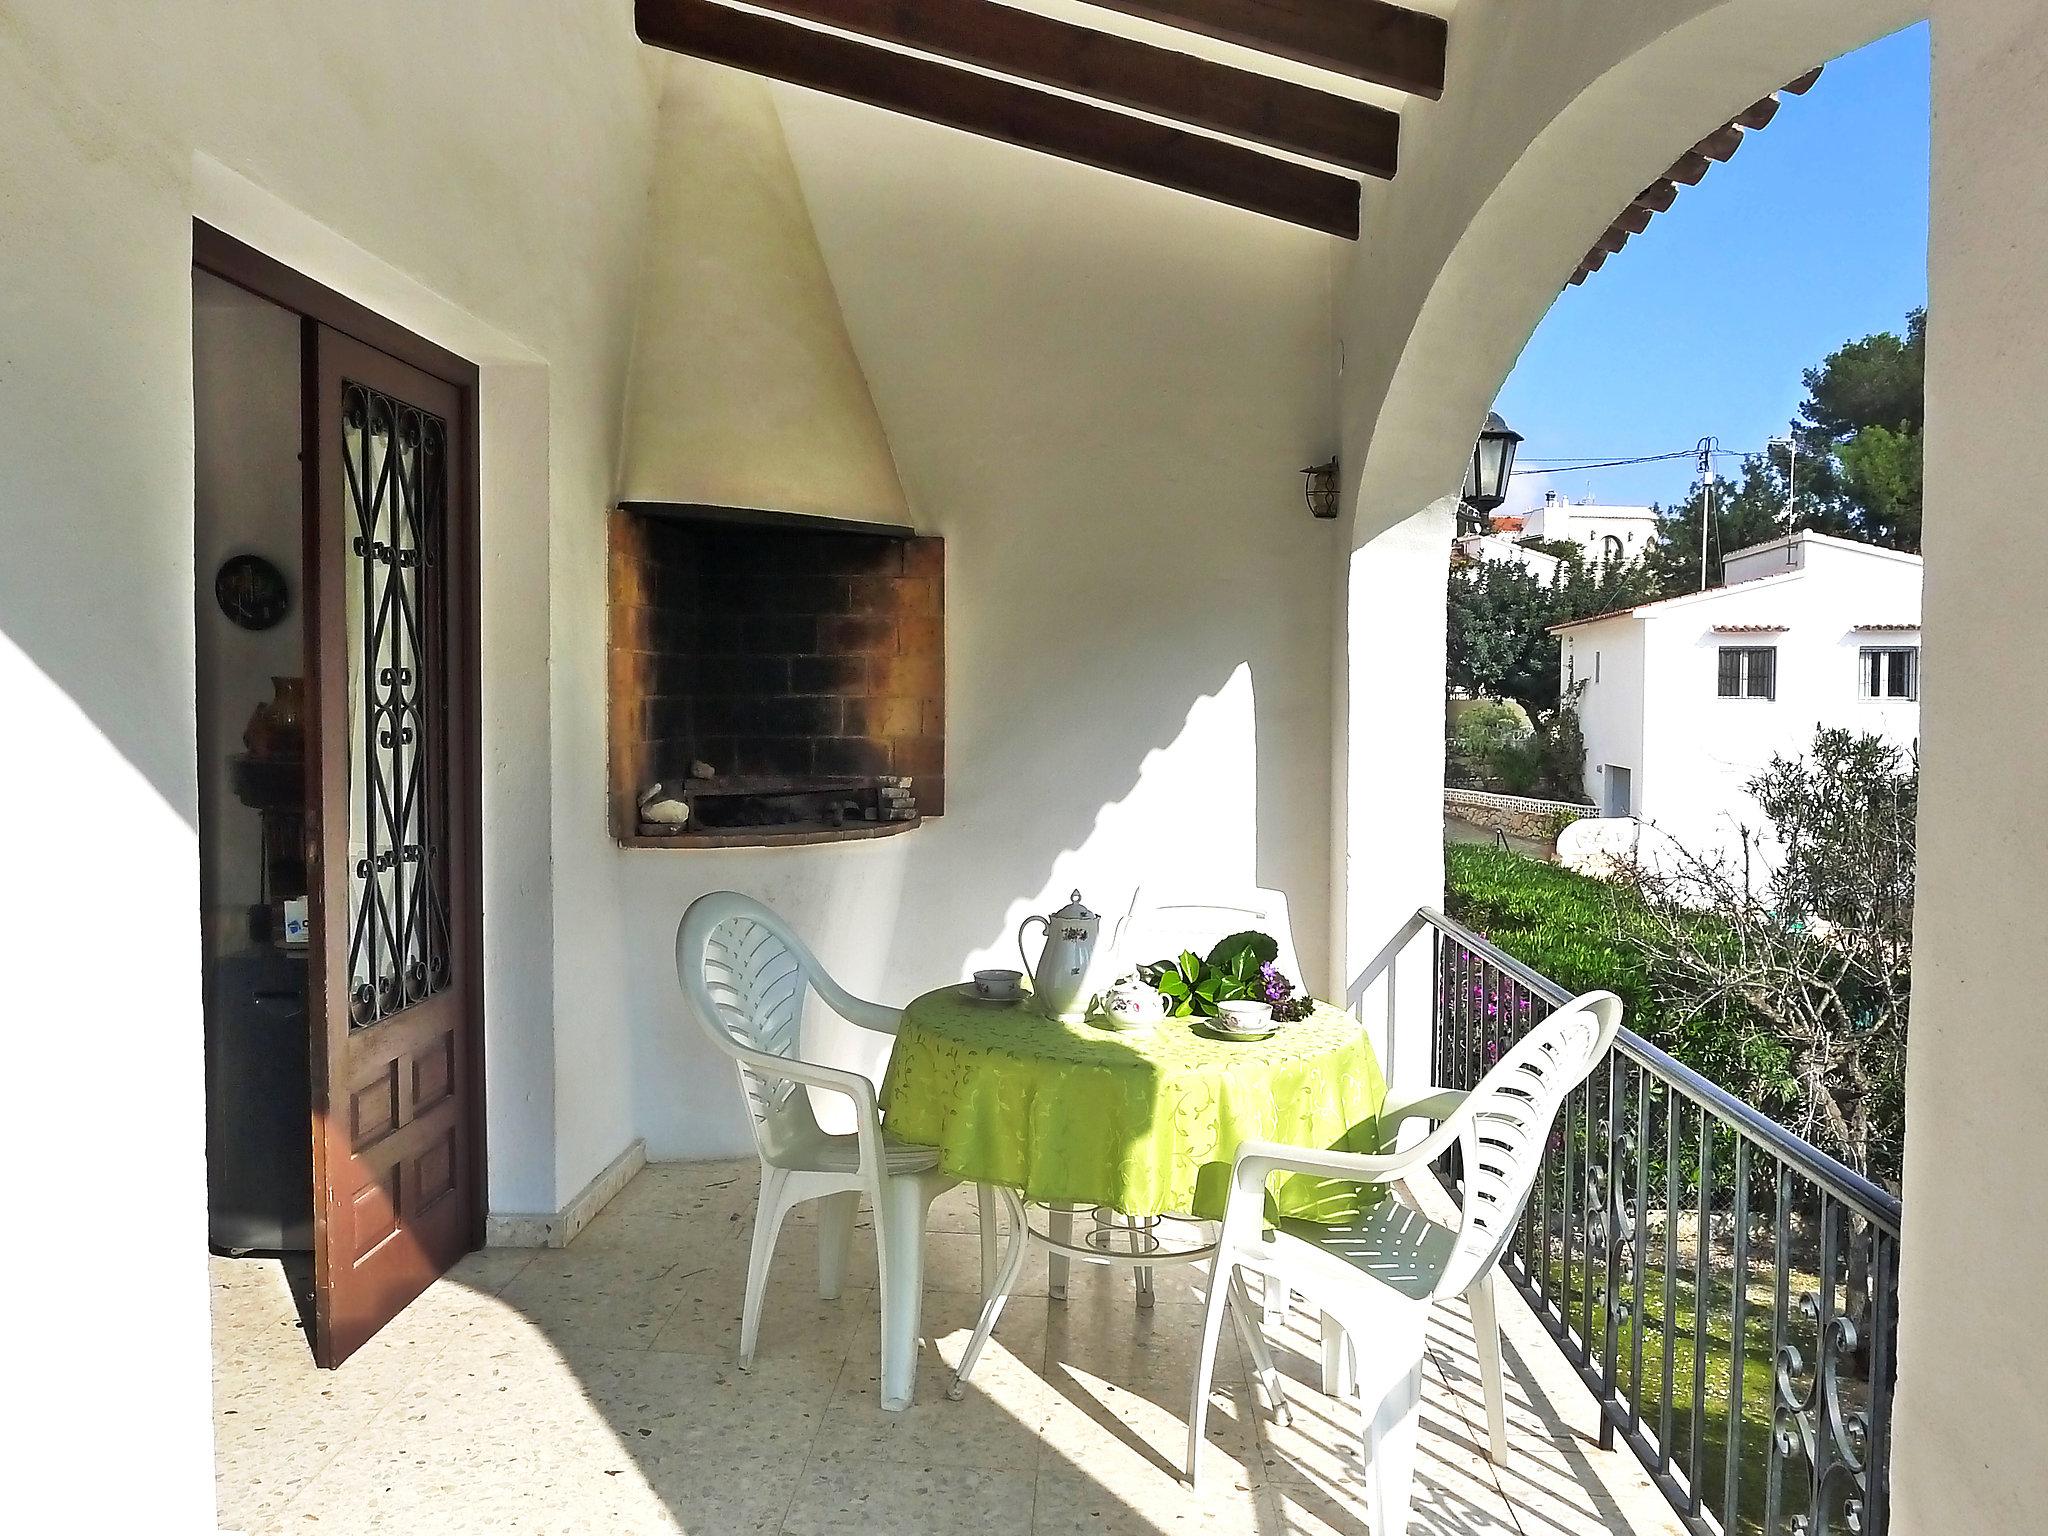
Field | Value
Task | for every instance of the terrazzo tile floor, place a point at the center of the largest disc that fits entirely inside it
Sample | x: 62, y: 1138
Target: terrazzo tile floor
x: 592, y: 1389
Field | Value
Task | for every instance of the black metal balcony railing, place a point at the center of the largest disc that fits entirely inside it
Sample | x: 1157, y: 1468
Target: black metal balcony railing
x: 1725, y: 1289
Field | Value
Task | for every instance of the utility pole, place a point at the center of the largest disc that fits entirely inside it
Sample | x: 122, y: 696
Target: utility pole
x: 1706, y: 448
x: 1791, y: 446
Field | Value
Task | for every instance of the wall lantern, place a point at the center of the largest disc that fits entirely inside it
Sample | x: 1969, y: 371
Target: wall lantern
x: 1321, y: 489
x: 1493, y: 460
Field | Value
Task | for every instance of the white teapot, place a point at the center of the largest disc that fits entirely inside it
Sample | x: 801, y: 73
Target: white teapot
x: 1066, y: 978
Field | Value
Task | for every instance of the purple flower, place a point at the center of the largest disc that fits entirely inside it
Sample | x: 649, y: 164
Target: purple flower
x: 1273, y: 986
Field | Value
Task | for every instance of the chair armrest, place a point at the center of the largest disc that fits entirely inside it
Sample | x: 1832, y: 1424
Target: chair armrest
x: 877, y: 1018
x: 874, y: 1017
x: 816, y: 1075
x: 867, y: 1109
x: 1256, y: 1161
x: 1429, y: 1104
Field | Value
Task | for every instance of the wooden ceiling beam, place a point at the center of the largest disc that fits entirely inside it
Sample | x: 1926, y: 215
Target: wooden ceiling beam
x: 1125, y: 73
x: 1000, y: 109
x: 1366, y: 39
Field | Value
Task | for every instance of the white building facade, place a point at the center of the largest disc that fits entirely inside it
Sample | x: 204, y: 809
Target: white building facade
x: 1685, y: 701
x: 1506, y: 549
x: 1604, y: 533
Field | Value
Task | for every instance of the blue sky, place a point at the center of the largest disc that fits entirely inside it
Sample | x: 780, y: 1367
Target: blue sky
x: 1814, y: 233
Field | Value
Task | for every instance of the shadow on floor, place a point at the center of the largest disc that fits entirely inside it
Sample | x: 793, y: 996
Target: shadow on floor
x: 593, y: 1388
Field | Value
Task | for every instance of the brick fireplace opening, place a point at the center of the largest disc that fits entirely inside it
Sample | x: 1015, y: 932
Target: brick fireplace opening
x: 780, y: 678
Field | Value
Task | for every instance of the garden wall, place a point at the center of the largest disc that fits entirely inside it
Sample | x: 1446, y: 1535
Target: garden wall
x: 1516, y: 815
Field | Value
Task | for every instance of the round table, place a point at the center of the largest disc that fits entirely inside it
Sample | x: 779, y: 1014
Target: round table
x: 1144, y: 1122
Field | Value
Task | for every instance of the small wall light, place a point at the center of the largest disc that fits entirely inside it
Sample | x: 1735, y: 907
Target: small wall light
x: 1321, y: 488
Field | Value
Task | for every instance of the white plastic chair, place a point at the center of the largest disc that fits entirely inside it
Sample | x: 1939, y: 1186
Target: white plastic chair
x: 1151, y: 930
x: 1378, y: 1276
x: 745, y: 975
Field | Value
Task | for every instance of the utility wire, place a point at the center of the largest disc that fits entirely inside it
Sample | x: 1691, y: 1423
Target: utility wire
x: 1571, y: 466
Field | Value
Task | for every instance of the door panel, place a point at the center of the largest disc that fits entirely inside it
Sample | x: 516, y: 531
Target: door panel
x: 395, y: 1200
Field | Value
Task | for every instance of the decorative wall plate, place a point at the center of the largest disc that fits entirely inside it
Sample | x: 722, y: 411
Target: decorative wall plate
x: 251, y: 591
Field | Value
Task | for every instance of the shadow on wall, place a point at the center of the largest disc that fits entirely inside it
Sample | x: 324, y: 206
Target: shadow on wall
x: 1100, y: 393
x: 1167, y: 794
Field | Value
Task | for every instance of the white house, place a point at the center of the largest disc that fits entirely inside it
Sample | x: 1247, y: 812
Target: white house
x: 1688, y: 699
x: 1504, y: 549
x: 1605, y: 533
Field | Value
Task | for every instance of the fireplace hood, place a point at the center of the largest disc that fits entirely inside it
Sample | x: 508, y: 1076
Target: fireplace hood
x: 744, y: 389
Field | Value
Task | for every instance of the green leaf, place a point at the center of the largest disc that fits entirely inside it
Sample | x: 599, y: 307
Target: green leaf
x: 1263, y: 946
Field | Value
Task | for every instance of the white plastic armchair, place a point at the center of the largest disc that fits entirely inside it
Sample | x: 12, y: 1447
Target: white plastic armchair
x: 745, y: 975
x: 1151, y: 929
x: 1378, y: 1276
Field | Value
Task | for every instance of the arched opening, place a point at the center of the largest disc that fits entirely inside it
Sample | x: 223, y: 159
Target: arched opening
x: 1463, y: 257
x: 1476, y: 293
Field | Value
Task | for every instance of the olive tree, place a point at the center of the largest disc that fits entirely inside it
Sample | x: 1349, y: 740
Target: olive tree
x: 1801, y: 939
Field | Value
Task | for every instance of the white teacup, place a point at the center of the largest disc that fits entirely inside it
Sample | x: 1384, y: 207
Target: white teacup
x: 1245, y: 1018
x: 999, y: 986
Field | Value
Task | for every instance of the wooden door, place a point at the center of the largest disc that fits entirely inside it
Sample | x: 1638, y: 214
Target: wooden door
x: 393, y: 872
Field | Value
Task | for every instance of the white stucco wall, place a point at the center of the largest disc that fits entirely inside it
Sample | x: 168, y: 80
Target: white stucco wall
x: 1656, y: 706
x: 1971, y: 1419
x: 1101, y: 395
x: 1606, y: 661
x: 745, y: 388
x: 507, y: 232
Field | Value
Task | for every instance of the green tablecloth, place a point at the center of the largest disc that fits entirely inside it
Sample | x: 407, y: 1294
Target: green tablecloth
x: 1143, y: 1122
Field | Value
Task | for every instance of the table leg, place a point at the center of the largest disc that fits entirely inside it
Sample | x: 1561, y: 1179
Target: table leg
x: 985, y: 1205
x: 1255, y: 1344
x: 1275, y: 1296
x: 1005, y: 1281
x: 1059, y: 1224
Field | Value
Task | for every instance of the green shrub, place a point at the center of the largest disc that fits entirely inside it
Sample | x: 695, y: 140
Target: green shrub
x: 1576, y: 931
x: 1568, y: 926
x: 1482, y: 732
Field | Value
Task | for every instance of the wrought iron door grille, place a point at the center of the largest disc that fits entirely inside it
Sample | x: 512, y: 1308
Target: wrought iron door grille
x: 394, y: 460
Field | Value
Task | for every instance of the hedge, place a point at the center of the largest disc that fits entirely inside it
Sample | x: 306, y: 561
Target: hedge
x: 1574, y: 929
x: 1568, y: 926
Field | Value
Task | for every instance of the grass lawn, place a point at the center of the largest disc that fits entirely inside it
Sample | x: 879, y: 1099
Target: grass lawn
x: 1717, y: 1360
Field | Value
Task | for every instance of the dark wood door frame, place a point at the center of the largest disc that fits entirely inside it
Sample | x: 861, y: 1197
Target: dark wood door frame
x: 225, y: 257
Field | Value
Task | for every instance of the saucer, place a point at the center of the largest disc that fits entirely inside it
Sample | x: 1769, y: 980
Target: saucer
x: 1216, y: 1031
x: 966, y: 989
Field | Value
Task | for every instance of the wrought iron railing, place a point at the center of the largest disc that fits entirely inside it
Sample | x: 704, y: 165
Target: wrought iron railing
x: 1725, y: 1290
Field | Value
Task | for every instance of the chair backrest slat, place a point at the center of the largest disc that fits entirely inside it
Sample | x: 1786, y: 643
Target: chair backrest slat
x: 747, y: 977
x: 1156, y: 930
x: 1509, y: 1117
